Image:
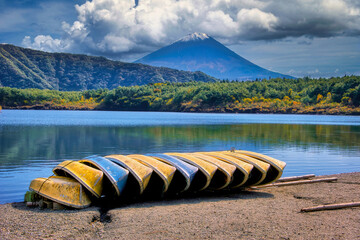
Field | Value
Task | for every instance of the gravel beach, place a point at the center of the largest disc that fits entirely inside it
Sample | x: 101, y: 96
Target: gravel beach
x: 267, y: 213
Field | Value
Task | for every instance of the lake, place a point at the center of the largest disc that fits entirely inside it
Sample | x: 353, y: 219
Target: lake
x: 32, y: 142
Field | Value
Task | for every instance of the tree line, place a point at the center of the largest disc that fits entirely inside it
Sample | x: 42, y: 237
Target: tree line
x: 338, y: 95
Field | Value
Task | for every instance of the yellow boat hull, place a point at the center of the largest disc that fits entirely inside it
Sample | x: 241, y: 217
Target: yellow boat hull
x: 164, y: 171
x: 205, y: 173
x: 224, y: 176
x: 154, y: 175
x: 276, y: 169
x: 89, y: 177
x: 244, y: 169
x: 140, y: 172
x: 260, y: 168
x: 63, y: 190
x: 184, y: 175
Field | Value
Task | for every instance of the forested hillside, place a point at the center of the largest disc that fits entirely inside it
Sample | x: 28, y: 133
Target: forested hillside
x: 324, y: 96
x: 27, y: 68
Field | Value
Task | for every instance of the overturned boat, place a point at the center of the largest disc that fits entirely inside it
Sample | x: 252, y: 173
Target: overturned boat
x: 87, y: 176
x: 118, y: 177
x: 63, y: 190
x: 276, y: 166
x: 243, y: 169
x: 205, y: 171
x: 183, y: 176
x: 259, y: 171
x: 162, y: 175
x: 140, y: 174
x: 225, y: 174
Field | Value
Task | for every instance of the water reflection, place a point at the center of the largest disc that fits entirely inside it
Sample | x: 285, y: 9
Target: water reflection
x: 27, y: 152
x: 22, y: 145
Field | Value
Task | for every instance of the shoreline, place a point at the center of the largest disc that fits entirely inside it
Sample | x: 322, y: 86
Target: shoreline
x: 328, y: 112
x: 266, y: 213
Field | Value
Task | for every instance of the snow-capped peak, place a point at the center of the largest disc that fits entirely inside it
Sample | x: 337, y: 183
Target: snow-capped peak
x: 194, y: 37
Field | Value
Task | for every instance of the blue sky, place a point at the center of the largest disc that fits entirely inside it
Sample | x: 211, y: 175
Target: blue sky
x: 20, y: 18
x: 317, y: 38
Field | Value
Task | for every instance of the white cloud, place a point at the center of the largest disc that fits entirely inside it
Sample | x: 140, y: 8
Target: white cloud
x: 217, y: 22
x: 115, y: 44
x: 254, y: 18
x: 117, y: 28
x: 47, y: 43
x: 77, y: 31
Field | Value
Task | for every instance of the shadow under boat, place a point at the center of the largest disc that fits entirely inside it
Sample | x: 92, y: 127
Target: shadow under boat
x: 116, y: 176
x: 184, y: 174
x: 242, y: 173
x: 162, y: 174
x: 138, y: 178
x: 276, y: 166
x: 63, y: 190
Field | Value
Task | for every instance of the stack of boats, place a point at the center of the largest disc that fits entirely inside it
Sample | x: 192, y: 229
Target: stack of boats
x: 77, y: 183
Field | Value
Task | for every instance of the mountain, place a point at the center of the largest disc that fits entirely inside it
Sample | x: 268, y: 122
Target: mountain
x: 200, y: 52
x: 27, y: 68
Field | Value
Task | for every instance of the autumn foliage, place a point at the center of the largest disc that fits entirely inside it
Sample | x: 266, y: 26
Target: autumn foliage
x: 318, y: 96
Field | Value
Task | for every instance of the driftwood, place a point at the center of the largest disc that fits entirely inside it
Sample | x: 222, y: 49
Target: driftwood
x: 331, y: 207
x: 289, y: 179
x: 32, y: 204
x: 299, y: 182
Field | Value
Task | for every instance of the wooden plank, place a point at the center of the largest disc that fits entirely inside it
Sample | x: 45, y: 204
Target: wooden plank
x: 296, y: 178
x: 331, y: 207
x: 299, y: 182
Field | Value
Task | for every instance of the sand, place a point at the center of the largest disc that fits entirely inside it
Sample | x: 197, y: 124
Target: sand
x: 269, y: 213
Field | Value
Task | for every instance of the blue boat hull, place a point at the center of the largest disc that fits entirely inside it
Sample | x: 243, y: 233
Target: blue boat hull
x: 116, y: 174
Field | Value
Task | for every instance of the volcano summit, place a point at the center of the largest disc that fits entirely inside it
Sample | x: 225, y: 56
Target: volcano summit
x: 200, y: 52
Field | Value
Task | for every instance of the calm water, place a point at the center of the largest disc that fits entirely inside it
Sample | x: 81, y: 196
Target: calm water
x: 33, y: 142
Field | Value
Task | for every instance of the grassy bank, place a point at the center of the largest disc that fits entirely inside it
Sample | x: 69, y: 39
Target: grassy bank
x: 304, y: 96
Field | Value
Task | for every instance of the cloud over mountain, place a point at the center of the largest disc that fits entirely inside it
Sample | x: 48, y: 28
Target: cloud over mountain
x: 116, y: 28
